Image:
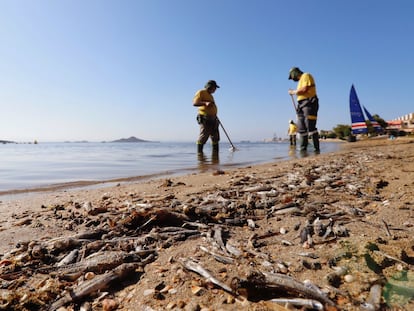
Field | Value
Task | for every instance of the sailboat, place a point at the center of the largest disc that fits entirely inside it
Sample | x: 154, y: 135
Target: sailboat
x: 359, y: 126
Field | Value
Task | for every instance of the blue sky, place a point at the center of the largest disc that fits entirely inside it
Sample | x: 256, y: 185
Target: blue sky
x: 101, y: 70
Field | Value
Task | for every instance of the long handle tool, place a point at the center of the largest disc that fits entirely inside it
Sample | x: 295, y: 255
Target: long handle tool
x: 293, y: 102
x: 232, y: 146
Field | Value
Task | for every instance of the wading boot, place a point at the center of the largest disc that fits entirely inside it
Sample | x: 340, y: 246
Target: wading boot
x: 315, y: 139
x: 199, y: 148
x: 303, y: 140
x: 215, y: 154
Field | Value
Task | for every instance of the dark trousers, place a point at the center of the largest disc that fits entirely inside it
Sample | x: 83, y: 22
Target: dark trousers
x: 292, y: 139
x: 209, y: 127
x: 307, y: 114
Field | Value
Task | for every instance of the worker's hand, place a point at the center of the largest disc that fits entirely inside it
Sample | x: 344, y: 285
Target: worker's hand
x: 291, y: 92
x: 208, y: 103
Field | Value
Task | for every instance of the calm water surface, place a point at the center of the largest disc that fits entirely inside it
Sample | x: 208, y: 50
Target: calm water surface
x: 24, y: 166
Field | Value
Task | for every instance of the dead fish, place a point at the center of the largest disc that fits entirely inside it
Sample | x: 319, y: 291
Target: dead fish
x: 195, y: 267
x: 62, y: 244
x: 374, y: 299
x: 307, y: 303
x: 289, y: 210
x: 218, y: 257
x: 98, y: 263
x: 258, y: 188
x: 307, y: 254
x: 340, y: 231
x: 334, y: 278
x: 233, y: 250
x: 68, y: 259
x: 290, y: 284
x: 270, y: 193
x: 97, y: 283
x: 280, y: 207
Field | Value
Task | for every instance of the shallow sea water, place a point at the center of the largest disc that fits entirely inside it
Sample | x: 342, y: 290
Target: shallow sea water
x: 26, y: 166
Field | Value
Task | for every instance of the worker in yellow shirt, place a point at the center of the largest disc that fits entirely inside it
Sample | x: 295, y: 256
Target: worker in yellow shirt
x: 292, y: 131
x: 307, y: 109
x: 207, y: 116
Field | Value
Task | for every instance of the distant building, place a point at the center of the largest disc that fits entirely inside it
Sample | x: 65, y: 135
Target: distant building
x: 404, y: 123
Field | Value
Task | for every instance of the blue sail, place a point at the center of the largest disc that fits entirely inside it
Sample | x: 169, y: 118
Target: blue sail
x: 359, y: 125
x: 377, y: 127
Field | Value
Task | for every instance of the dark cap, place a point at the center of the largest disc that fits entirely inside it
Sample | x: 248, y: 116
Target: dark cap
x: 294, y: 72
x: 211, y: 83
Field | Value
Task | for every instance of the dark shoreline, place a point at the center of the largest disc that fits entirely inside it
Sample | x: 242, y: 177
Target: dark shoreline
x: 82, y: 184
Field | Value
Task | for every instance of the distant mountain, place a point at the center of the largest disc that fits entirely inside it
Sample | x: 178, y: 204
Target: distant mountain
x: 131, y: 139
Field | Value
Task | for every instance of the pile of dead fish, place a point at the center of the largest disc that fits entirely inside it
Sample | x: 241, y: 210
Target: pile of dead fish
x: 117, y: 237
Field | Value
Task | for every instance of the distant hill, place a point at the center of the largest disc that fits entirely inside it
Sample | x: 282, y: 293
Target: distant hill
x: 7, y: 142
x: 131, y: 139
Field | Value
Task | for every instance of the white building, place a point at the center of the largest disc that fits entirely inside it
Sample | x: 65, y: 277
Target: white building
x: 404, y: 123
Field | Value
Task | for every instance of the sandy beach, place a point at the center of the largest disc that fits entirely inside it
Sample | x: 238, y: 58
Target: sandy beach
x: 342, y: 221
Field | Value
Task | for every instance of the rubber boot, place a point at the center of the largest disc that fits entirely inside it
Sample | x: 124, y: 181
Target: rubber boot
x: 200, y: 148
x: 215, y: 154
x: 315, y: 139
x: 303, y: 140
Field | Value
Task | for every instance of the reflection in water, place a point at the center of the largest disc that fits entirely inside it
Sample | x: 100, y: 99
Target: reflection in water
x: 205, y: 163
x: 215, y: 157
x: 292, y: 152
x: 210, y: 161
x: 202, y: 159
x: 305, y: 153
x: 295, y: 153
